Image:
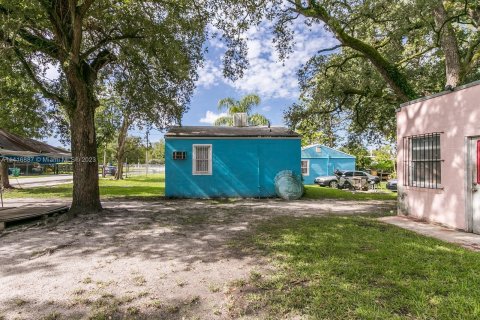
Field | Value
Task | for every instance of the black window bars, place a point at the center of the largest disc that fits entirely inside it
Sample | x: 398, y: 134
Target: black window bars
x: 422, y: 163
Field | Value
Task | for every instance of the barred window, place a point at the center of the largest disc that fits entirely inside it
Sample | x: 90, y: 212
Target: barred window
x: 422, y: 161
x: 202, y: 159
x: 305, y: 167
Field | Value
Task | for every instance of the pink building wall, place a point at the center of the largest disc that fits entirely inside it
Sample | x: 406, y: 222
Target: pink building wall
x: 457, y: 115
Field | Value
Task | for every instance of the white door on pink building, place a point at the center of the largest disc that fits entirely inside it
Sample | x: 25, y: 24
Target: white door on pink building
x: 474, y: 167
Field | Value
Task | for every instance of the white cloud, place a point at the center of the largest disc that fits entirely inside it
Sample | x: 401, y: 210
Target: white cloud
x: 209, y: 75
x: 52, y: 72
x: 266, y: 108
x: 266, y: 75
x: 270, y: 77
x: 211, y: 116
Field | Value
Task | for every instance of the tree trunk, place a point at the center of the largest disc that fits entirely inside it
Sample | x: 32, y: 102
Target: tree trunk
x: 449, y: 46
x: 122, y: 138
x: 86, y: 193
x: 5, y: 181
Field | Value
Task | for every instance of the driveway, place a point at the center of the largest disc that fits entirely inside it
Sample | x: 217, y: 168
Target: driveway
x: 168, y: 259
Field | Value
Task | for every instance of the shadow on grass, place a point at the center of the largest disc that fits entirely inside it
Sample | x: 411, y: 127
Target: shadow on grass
x: 195, y: 232
x: 358, y: 268
x: 107, y: 306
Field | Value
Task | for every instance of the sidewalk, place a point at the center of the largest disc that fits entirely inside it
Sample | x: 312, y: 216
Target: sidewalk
x: 465, y: 239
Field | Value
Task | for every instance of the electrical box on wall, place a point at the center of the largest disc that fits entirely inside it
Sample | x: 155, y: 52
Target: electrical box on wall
x: 179, y: 155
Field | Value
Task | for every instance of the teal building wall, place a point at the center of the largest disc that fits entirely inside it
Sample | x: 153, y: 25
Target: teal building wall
x: 241, y: 167
x: 325, y: 161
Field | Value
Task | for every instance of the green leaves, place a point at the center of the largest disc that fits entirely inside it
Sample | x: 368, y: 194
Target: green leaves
x: 146, y: 52
x: 387, y: 53
x: 21, y: 110
x: 244, y: 105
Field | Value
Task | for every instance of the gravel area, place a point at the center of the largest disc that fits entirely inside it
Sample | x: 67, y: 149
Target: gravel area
x: 165, y: 259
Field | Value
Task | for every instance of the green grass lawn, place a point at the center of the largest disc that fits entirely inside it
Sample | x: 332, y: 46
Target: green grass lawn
x: 154, y: 186
x: 135, y: 186
x: 317, y: 192
x: 359, y: 268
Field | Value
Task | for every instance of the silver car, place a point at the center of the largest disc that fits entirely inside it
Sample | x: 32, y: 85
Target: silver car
x: 327, y: 181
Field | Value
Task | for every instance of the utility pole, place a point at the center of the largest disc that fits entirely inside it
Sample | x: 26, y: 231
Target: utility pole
x: 146, y: 153
x: 104, y: 174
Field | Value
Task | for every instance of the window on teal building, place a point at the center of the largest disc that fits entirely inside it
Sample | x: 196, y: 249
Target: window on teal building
x: 202, y: 159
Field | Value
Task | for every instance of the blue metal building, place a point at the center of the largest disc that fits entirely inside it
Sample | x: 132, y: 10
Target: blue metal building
x: 209, y: 162
x: 319, y: 160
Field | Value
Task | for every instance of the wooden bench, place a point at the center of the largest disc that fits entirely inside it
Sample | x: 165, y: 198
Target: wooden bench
x: 27, y: 212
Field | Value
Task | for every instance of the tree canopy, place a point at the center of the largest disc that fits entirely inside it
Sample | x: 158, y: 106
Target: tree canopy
x: 146, y: 51
x: 21, y: 109
x: 386, y: 53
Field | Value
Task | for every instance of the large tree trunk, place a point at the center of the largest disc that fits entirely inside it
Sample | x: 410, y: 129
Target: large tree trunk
x: 122, y: 138
x: 86, y: 194
x: 5, y: 181
x: 449, y: 45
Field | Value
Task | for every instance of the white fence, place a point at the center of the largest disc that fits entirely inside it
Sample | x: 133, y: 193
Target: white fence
x: 142, y: 169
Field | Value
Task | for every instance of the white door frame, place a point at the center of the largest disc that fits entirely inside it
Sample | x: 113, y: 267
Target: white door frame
x: 470, y: 146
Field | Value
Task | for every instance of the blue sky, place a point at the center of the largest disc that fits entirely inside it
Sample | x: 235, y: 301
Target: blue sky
x: 273, y: 80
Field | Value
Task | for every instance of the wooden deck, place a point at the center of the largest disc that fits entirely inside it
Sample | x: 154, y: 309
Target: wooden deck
x: 26, y: 212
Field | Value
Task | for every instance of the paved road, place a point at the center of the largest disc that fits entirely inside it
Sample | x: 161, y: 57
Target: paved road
x: 53, y: 180
x: 41, y: 181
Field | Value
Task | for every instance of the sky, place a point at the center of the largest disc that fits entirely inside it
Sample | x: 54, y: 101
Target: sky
x: 273, y: 80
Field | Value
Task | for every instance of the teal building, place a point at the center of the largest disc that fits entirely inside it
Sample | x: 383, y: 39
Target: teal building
x: 319, y: 160
x: 218, y: 161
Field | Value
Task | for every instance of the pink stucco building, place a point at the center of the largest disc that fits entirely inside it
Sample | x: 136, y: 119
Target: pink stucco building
x: 439, y: 158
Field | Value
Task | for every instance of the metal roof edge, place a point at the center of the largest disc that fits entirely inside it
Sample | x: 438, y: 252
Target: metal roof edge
x: 230, y: 137
x: 230, y: 132
x: 321, y: 145
x: 353, y: 157
x: 439, y: 94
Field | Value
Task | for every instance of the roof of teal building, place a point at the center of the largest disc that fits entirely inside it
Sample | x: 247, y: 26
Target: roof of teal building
x: 321, y: 151
x: 223, y: 131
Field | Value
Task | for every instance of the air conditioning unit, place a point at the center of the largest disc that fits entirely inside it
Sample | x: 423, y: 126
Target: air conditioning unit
x: 179, y: 155
x: 240, y: 120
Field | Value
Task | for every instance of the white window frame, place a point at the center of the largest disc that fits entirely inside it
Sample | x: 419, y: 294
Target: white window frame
x: 308, y: 167
x: 194, y: 160
x: 318, y: 149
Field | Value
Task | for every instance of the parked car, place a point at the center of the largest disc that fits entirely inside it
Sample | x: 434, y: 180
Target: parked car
x: 111, y: 170
x: 327, y: 181
x: 345, y: 175
x: 346, y: 178
x: 392, y: 184
x: 37, y: 170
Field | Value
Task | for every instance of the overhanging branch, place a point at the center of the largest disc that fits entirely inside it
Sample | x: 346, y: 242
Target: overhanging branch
x: 48, y: 94
x: 102, y: 59
x: 108, y: 40
x: 330, y: 49
x: 85, y: 6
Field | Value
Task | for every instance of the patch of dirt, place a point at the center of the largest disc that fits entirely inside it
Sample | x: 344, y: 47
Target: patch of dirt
x: 166, y: 259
